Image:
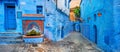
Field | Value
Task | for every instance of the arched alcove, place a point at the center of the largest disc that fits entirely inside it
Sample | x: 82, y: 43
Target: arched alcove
x: 95, y: 17
x: 33, y: 24
x: 95, y: 34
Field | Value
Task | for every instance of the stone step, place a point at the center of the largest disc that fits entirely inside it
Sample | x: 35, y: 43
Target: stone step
x: 11, y: 41
x: 9, y: 34
x: 10, y: 38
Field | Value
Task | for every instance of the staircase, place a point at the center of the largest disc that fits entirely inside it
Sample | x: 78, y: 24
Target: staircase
x: 10, y: 38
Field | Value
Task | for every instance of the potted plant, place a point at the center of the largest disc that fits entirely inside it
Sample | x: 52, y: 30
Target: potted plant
x: 33, y: 36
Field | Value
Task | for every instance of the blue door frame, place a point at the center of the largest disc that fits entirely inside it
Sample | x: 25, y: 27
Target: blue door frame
x: 10, y: 18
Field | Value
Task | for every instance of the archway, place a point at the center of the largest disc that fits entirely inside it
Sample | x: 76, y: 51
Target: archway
x: 62, y: 31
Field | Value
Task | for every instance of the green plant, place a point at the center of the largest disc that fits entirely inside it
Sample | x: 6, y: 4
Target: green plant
x: 77, y: 11
x: 33, y: 33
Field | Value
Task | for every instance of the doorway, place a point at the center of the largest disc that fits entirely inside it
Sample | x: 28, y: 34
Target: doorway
x: 95, y: 34
x: 10, y: 20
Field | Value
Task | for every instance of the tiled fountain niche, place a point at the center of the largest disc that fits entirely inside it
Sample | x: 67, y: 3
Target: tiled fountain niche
x: 29, y: 24
x: 31, y: 21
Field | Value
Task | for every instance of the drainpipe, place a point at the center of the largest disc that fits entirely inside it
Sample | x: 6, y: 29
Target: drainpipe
x: 56, y: 4
x: 56, y: 30
x: 19, y: 5
x: 56, y: 35
x: 60, y: 30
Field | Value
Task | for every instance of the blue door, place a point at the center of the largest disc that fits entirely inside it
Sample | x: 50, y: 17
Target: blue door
x: 10, y: 20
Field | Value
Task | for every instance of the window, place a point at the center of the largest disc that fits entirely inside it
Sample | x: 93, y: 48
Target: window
x: 94, y: 17
x: 19, y: 14
x: 39, y: 10
x: 88, y: 19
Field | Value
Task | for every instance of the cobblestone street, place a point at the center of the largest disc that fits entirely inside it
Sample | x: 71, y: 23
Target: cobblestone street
x: 72, y: 43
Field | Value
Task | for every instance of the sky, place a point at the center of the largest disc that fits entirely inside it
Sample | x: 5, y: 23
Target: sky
x: 74, y: 3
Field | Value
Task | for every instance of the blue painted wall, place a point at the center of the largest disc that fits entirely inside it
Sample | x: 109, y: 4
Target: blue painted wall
x: 116, y: 37
x: 30, y: 6
x: 102, y: 30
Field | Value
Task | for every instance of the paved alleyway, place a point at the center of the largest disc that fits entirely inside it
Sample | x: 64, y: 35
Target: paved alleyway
x: 72, y: 43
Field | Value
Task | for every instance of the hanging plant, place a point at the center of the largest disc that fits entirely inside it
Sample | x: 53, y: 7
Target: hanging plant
x: 77, y: 12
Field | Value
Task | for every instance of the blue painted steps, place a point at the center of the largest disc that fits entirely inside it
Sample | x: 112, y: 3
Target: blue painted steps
x: 10, y: 38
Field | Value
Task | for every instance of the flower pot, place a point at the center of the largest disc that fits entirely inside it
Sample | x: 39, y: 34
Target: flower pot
x: 33, y: 39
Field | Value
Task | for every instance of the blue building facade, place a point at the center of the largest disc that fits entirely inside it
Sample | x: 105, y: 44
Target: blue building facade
x: 101, y: 23
x: 14, y: 7
x: 15, y: 14
x: 12, y: 17
x: 57, y: 23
